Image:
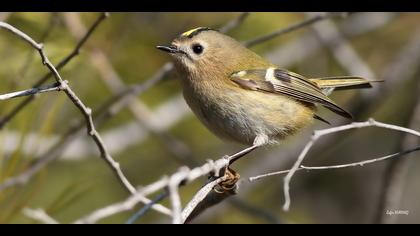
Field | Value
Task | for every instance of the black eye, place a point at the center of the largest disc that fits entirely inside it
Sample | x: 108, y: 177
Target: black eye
x: 197, y: 48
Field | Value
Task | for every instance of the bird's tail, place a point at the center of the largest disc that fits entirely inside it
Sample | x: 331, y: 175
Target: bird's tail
x: 329, y: 84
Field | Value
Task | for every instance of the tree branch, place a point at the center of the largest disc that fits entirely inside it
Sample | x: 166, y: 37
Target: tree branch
x: 60, y: 65
x: 32, y: 91
x: 318, y: 134
x: 331, y: 167
x: 87, y: 112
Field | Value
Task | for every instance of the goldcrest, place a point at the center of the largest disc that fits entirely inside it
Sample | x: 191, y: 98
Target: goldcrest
x: 240, y: 96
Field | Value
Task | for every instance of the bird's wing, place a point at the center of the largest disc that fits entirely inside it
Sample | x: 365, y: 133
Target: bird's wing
x: 279, y: 81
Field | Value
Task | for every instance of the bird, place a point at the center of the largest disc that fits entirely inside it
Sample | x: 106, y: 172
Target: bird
x: 240, y: 96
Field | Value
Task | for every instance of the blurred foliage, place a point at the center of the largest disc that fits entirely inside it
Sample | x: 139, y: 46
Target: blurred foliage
x: 69, y: 189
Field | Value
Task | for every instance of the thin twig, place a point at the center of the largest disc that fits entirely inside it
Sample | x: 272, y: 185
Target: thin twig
x: 173, y: 186
x: 318, y: 134
x: 4, y: 120
x: 331, y: 167
x: 124, y: 205
x: 302, y: 24
x: 26, y: 65
x: 189, y: 175
x: 138, y: 109
x: 87, y: 112
x: 29, y: 92
x: 182, y: 177
x: 106, y: 111
x: 291, y: 53
x: 147, y: 207
x: 39, y: 215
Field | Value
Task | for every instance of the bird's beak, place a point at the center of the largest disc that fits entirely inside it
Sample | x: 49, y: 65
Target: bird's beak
x: 169, y: 49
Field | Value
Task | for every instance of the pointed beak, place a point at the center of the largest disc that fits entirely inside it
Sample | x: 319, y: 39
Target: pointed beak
x: 169, y: 49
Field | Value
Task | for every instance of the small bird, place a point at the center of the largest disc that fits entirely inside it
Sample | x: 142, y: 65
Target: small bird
x: 240, y: 96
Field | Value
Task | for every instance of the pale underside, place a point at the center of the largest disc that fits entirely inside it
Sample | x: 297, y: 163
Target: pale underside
x: 250, y: 117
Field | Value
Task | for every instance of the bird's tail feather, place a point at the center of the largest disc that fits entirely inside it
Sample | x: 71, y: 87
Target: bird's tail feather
x: 328, y: 84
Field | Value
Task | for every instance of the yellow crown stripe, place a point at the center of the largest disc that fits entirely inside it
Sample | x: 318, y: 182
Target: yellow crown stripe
x: 189, y: 32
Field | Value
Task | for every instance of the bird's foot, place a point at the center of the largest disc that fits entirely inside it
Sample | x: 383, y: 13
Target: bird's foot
x: 228, y: 185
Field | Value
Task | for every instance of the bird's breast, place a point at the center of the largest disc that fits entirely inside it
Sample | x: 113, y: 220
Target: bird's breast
x: 242, y: 115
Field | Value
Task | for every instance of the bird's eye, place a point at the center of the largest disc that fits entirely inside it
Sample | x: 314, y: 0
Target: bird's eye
x: 197, y: 48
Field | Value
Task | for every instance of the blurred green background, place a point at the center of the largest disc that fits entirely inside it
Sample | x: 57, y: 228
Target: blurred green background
x: 122, y: 48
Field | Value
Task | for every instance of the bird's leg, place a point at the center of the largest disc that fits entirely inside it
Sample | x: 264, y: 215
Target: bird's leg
x: 260, y: 140
x: 231, y: 176
x: 238, y: 155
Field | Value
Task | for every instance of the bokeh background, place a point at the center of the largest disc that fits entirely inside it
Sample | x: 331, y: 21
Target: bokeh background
x: 159, y: 134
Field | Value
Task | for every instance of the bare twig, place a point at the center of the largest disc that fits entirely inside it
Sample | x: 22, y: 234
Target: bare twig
x: 289, y: 54
x: 182, y: 177
x: 302, y: 24
x: 124, y: 205
x: 39, y: 215
x: 173, y: 185
x: 29, y: 92
x: 147, y: 207
x: 111, y: 112
x: 87, y: 112
x: 199, y: 197
x: 109, y: 109
x: 331, y: 167
x: 311, y: 44
x: 4, y: 120
x: 187, y: 174
x: 318, y: 134
x: 139, y: 110
x: 26, y: 65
